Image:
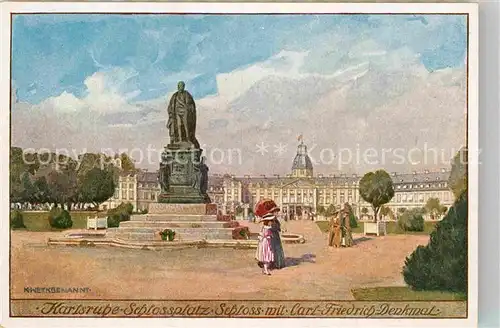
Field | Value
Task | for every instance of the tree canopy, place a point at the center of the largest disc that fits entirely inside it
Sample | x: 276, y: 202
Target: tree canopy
x: 59, y: 179
x: 457, y: 180
x: 377, y: 189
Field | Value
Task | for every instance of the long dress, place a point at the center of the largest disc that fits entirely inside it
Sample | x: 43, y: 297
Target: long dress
x: 346, y: 231
x: 264, y: 253
x: 276, y: 245
x: 334, y: 236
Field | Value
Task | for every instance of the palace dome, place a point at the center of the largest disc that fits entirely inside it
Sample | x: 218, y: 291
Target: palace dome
x: 302, y: 160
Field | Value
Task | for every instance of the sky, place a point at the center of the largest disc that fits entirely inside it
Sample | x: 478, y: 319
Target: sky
x: 357, y: 81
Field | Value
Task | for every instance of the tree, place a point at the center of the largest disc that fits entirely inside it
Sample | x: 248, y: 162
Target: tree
x: 442, y: 263
x: 28, y: 189
x: 16, y: 171
x: 62, y: 185
x: 386, y: 211
x: 457, y: 180
x: 376, y: 188
x: 434, y: 207
x: 42, y: 193
x: 320, y: 210
x: 97, y: 186
x: 126, y: 162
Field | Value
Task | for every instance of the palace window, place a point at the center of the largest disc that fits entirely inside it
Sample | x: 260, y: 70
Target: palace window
x: 124, y: 194
x: 398, y: 197
x: 116, y: 194
x: 131, y: 186
x: 131, y: 195
x: 153, y: 196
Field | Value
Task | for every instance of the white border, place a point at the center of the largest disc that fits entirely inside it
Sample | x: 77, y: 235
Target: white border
x: 473, y: 143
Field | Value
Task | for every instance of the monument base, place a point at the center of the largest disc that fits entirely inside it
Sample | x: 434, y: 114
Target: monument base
x: 176, y: 197
x: 186, y: 176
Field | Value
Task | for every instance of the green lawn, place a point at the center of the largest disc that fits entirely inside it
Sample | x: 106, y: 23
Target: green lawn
x: 38, y: 221
x: 392, y: 228
x: 403, y: 294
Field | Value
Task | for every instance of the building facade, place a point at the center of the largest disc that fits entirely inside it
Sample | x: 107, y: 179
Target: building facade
x: 299, y: 194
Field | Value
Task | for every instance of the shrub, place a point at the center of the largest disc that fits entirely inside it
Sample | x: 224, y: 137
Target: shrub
x: 119, y: 214
x: 60, y: 219
x: 442, y: 263
x: 114, y: 220
x: 16, y: 220
x: 411, y: 220
x: 241, y: 233
x: 353, y: 220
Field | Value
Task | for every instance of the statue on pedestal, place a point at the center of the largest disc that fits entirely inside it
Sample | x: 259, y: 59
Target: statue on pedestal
x: 182, y: 117
x: 183, y: 173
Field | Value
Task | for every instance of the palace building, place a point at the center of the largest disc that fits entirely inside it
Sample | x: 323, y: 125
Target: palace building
x: 299, y: 194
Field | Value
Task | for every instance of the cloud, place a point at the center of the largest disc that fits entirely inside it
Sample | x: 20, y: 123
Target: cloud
x: 372, y: 90
x: 106, y: 92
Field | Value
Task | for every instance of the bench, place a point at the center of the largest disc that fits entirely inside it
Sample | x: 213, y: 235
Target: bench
x: 97, y: 223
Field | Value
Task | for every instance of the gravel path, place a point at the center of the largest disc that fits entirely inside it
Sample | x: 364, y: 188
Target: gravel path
x: 314, y: 271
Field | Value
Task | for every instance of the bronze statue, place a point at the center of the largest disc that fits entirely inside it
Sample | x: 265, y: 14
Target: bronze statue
x: 163, y: 175
x: 182, y: 117
x: 203, y: 176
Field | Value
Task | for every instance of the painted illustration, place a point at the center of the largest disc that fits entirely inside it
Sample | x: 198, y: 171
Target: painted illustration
x: 239, y: 165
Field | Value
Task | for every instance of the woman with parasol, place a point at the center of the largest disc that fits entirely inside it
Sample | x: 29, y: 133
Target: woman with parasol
x: 264, y: 254
x: 268, y: 208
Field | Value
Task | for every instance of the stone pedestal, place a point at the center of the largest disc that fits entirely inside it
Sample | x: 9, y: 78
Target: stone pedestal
x: 183, y: 176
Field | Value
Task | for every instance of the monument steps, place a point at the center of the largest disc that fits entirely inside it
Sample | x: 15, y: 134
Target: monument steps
x: 172, y: 224
x: 173, y: 217
x: 180, y: 233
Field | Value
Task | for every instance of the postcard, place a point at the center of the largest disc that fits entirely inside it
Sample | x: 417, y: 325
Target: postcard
x: 179, y: 163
